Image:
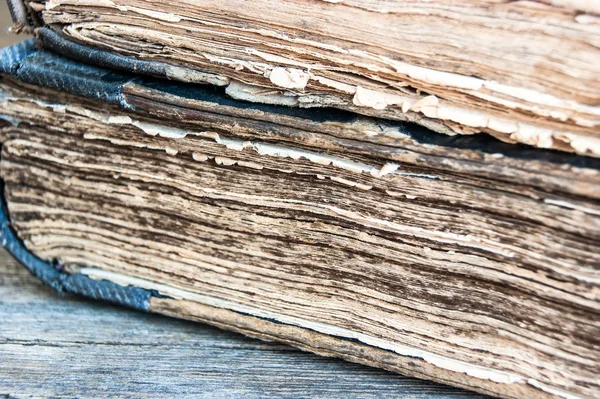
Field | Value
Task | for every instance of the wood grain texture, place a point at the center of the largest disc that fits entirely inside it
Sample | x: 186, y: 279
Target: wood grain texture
x: 53, y: 346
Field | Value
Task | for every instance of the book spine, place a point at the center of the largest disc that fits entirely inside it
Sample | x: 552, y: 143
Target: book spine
x: 59, y: 280
x: 22, y: 19
x: 29, y: 64
x: 56, y: 42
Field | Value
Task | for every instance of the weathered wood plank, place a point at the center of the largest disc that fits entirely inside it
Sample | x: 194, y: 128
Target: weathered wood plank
x: 64, y: 346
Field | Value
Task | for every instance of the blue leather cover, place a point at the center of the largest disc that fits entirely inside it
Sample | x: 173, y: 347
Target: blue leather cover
x: 62, y: 282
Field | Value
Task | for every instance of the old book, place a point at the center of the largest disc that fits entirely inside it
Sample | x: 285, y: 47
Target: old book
x: 522, y: 71
x: 460, y: 259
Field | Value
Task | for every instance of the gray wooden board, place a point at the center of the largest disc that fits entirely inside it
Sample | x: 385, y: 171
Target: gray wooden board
x: 69, y: 347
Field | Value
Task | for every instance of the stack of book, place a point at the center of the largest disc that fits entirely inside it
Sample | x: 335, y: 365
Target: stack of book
x: 409, y: 185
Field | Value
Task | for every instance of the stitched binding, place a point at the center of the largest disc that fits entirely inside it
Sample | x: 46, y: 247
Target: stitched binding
x: 133, y: 297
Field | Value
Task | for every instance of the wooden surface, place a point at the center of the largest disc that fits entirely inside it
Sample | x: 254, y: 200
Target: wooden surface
x: 64, y: 346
